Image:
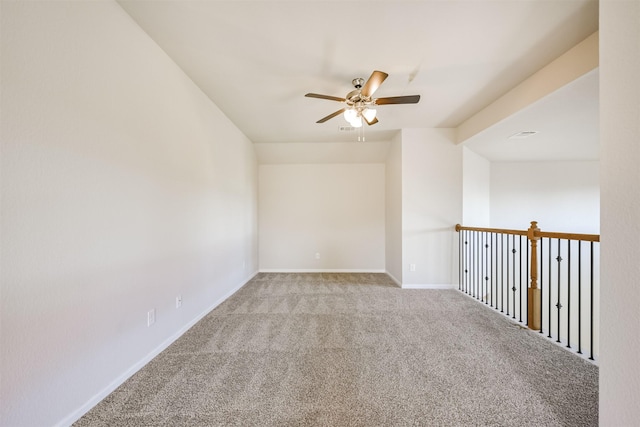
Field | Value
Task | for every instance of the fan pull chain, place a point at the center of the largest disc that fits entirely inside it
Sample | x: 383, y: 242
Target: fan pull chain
x: 361, y: 134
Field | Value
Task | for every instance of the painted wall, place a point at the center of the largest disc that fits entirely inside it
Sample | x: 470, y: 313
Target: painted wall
x: 620, y: 183
x: 476, y: 189
x: 431, y: 206
x: 336, y: 211
x: 561, y: 196
x: 393, y: 209
x: 123, y: 187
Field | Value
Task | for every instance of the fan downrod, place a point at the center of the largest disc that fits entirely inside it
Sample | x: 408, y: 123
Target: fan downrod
x: 358, y: 83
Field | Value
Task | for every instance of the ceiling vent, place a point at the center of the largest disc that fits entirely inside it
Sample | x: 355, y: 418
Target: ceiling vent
x: 523, y: 134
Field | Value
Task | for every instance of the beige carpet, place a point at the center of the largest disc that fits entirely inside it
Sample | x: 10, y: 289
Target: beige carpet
x: 354, y: 350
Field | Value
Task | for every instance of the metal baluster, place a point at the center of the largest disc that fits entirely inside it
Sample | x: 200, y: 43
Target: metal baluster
x: 580, y: 297
x: 496, y: 293
x: 591, y: 314
x: 481, y: 266
x: 484, y: 265
x: 460, y: 260
x: 569, y: 293
x: 477, y: 264
x: 558, y: 305
x: 496, y: 296
x: 486, y: 268
x: 514, y: 289
x: 541, y: 288
x: 464, y: 261
x: 507, y: 288
x: 502, y: 274
x: 526, y: 274
x: 549, y: 335
x: 493, y: 245
x: 520, y: 245
x: 472, y: 264
x: 469, y: 271
x: 479, y: 278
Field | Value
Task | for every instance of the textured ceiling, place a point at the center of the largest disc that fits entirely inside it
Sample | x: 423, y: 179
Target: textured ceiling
x: 257, y: 59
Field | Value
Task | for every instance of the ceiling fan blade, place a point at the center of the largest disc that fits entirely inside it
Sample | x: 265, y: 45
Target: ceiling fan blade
x: 374, y: 82
x: 330, y: 98
x: 409, y: 99
x: 331, y: 116
x: 372, y: 122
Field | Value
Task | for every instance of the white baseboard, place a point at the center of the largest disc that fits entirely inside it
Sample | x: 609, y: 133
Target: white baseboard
x: 97, y: 398
x: 317, y: 270
x: 425, y: 286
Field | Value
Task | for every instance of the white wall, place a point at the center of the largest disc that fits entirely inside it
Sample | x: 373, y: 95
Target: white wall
x: 334, y: 210
x: 620, y: 183
x: 393, y: 209
x: 122, y: 187
x: 562, y: 196
x: 431, y: 206
x: 476, y: 189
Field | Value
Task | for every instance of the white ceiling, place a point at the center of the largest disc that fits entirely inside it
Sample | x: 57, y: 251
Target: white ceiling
x: 257, y: 59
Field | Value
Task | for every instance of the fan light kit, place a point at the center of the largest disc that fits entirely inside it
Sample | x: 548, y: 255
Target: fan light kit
x: 355, y: 115
x: 360, y: 102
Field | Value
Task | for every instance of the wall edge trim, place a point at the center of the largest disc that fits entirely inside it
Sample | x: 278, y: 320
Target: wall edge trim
x: 397, y: 282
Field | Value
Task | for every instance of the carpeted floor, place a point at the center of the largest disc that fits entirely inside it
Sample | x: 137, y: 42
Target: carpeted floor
x: 354, y: 350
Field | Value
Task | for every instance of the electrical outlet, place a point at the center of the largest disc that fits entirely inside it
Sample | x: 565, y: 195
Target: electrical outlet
x: 412, y: 267
x: 151, y: 317
x: 317, y: 255
x: 179, y: 301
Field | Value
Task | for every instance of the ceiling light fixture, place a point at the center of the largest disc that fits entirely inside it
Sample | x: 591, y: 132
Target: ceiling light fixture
x: 369, y: 114
x: 356, y: 112
x: 359, y: 102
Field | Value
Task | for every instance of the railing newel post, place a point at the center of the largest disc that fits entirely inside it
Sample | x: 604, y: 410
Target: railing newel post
x: 534, y: 299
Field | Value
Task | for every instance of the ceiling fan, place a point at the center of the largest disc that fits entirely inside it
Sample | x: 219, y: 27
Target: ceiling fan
x: 360, y: 102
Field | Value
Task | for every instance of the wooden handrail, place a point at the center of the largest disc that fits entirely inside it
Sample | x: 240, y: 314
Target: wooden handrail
x: 569, y: 236
x: 537, y: 233
x: 492, y: 230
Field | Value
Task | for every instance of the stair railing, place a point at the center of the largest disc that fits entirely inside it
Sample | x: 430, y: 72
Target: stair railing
x: 534, y: 275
